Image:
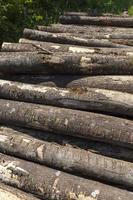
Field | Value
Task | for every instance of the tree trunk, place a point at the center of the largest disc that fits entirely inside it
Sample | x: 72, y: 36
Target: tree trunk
x: 117, y: 83
x: 60, y: 63
x: 53, y: 48
x: 68, y: 122
x: 93, y: 12
x: 66, y: 38
x: 123, y: 42
x: 66, y: 158
x: 101, y: 148
x: 50, y: 184
x: 101, y: 21
x: 10, y: 193
x: 61, y: 28
x: 88, y: 99
x: 93, y: 35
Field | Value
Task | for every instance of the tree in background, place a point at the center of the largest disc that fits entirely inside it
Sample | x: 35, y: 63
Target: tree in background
x: 17, y: 14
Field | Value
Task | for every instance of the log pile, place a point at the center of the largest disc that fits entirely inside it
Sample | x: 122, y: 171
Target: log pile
x: 66, y: 110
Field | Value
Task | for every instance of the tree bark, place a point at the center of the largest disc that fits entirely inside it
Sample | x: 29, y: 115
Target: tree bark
x: 60, y: 63
x: 101, y: 148
x: 53, y: 48
x: 50, y: 184
x: 61, y: 28
x: 66, y: 158
x: 101, y: 21
x: 88, y: 99
x: 92, y: 35
x: 117, y: 83
x: 66, y: 38
x: 93, y: 12
x: 10, y: 193
x: 68, y: 122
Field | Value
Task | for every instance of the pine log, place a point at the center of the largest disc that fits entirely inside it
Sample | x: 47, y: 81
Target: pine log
x: 66, y: 38
x: 10, y: 193
x: 49, y: 184
x: 101, y: 21
x: 66, y: 158
x: 82, y: 124
x: 52, y: 48
x: 63, y: 63
x: 117, y: 83
x: 61, y: 28
x: 88, y: 99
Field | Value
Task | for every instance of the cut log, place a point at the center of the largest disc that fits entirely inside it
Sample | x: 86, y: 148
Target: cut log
x: 52, y: 48
x: 61, y: 63
x: 66, y: 38
x: 101, y: 21
x: 117, y: 83
x: 10, y: 193
x: 88, y: 99
x: 61, y: 28
x: 66, y: 158
x: 93, y: 12
x: 68, y: 122
x: 50, y: 184
x: 101, y: 148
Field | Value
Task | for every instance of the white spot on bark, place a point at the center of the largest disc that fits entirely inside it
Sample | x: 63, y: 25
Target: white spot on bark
x: 26, y: 140
x: 5, y: 195
x: 40, y: 152
x: 86, y: 60
x: 80, y: 39
x: 58, y: 173
x: 66, y: 122
x: 3, y: 138
x: 95, y: 193
x: 129, y: 53
x: 55, y: 47
x: 81, y: 50
x: 107, y: 36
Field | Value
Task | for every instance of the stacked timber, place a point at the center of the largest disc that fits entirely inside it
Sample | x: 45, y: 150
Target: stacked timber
x: 66, y: 110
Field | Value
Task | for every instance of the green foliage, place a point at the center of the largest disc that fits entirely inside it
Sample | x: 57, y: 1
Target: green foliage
x: 17, y: 14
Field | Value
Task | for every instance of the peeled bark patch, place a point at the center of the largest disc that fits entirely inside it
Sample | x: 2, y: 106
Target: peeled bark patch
x: 79, y: 161
x: 53, y: 184
x: 89, y: 99
x: 68, y: 122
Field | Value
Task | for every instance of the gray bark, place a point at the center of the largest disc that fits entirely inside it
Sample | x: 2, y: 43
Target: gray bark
x: 68, y: 122
x: 53, y: 48
x: 66, y: 158
x: 61, y: 28
x: 66, y: 38
x: 10, y: 193
x: 101, y: 21
x: 117, y: 83
x: 88, y: 99
x: 50, y: 184
x: 60, y: 63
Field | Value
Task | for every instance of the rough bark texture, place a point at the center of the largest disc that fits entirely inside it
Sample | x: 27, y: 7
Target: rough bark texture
x: 66, y: 38
x: 89, y: 99
x: 66, y: 158
x: 101, y: 21
x: 68, y: 122
x: 55, y: 185
x: 52, y: 48
x: 117, y: 83
x: 61, y: 28
x: 43, y: 63
x: 10, y: 193
x: 101, y: 148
